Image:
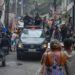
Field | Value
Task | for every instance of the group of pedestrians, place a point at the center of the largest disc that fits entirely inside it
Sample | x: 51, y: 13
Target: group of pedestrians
x: 60, y: 32
x: 28, y: 20
x: 54, y: 59
x: 8, y: 41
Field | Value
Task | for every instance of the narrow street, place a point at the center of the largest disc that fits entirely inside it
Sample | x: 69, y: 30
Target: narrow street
x: 37, y: 29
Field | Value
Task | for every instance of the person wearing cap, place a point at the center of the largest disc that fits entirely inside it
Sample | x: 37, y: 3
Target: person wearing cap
x: 54, y: 59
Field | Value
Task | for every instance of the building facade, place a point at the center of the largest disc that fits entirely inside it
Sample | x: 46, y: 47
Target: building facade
x: 67, y: 6
x: 2, y: 9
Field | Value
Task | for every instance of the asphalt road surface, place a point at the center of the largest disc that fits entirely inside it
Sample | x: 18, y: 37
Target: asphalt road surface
x: 14, y: 67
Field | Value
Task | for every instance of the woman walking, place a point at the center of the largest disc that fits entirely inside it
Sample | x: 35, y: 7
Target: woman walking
x: 54, y: 59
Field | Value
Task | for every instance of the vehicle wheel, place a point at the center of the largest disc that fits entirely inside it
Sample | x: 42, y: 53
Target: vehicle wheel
x: 3, y: 63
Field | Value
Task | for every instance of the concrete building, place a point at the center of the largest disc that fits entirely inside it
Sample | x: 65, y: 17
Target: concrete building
x: 2, y: 8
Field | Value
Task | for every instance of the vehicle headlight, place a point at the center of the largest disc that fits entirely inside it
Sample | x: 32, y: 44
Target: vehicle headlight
x: 20, y: 45
x: 44, y: 46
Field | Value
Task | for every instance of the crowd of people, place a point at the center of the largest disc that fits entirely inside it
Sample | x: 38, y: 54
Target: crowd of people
x: 62, y: 46
x: 54, y: 60
x: 57, y: 31
x: 28, y: 20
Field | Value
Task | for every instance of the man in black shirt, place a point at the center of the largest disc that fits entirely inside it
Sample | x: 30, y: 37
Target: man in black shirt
x: 38, y: 19
x: 27, y: 20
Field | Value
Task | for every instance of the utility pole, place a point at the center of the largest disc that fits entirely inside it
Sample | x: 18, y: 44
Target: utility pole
x: 21, y: 7
x: 6, y: 13
x: 16, y: 7
x: 74, y: 15
x: 55, y: 5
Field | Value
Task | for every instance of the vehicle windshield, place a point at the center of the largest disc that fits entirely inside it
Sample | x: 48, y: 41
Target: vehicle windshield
x: 35, y: 33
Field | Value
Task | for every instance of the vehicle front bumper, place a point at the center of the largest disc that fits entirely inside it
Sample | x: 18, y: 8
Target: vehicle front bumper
x: 24, y: 53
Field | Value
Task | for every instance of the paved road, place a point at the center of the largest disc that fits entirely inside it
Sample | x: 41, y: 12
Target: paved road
x: 15, y: 67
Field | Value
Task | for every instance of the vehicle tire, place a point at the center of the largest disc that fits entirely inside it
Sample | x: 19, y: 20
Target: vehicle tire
x: 3, y: 63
